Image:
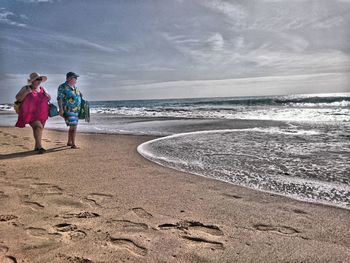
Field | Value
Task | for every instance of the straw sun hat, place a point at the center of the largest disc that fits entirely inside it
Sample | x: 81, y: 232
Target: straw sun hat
x: 33, y: 76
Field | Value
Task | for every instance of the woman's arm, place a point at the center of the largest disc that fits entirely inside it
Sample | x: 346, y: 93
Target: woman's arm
x: 23, y: 93
x: 46, y: 93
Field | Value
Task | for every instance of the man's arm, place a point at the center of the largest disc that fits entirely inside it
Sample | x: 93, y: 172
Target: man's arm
x: 60, y: 107
x: 60, y: 101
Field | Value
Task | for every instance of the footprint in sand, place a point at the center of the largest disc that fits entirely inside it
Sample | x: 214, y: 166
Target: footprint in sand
x: 63, y: 201
x: 34, y: 205
x: 142, y: 213
x: 3, y: 173
x: 193, y: 226
x: 232, y: 196
x: 80, y: 215
x: 128, y: 226
x: 5, y: 218
x: 205, y: 243
x: 197, y: 233
x: 41, y: 233
x: 31, y: 178
x: 129, y: 245
x: 284, y: 230
x: 8, y: 259
x: 37, y: 232
x: 299, y: 211
x: 101, y: 200
x: 65, y: 227
x: 70, y: 232
x: 76, y: 235
x: 74, y: 259
x: 46, y: 189
x: 3, y: 195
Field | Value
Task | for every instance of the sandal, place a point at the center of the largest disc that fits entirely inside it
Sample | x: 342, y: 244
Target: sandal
x: 41, y: 151
x: 74, y: 147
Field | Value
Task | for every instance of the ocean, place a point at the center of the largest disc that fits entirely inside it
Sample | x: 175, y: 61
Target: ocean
x: 295, y: 145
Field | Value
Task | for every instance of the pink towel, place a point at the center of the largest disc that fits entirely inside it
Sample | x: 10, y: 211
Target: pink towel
x: 34, y: 108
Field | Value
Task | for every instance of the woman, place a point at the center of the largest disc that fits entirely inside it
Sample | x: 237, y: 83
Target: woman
x: 34, y: 107
x: 69, y: 100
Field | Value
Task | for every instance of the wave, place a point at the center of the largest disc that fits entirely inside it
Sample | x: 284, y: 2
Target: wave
x: 280, y: 101
x: 6, y: 107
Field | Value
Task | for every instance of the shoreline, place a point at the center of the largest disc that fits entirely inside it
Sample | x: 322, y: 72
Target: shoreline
x: 106, y: 203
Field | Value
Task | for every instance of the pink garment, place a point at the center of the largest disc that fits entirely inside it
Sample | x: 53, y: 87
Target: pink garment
x: 34, y: 107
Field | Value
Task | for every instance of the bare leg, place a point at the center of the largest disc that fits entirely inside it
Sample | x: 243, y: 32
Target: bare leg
x: 70, y: 143
x: 72, y: 134
x: 38, y: 128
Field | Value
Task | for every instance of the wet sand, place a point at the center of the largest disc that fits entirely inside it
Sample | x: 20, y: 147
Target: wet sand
x: 106, y: 203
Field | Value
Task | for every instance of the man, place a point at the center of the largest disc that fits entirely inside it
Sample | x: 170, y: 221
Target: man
x: 69, y: 100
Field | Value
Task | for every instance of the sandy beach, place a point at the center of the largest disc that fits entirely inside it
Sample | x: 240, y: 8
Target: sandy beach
x: 106, y: 203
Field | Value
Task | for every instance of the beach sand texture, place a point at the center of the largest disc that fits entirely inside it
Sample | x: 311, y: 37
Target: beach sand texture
x: 106, y: 203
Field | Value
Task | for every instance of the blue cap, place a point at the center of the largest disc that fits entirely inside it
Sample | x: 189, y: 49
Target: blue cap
x: 71, y: 74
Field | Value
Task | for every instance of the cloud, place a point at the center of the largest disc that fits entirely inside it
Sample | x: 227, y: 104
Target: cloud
x: 216, y: 42
x: 81, y: 42
x: 305, y: 1
x: 51, y: 39
x: 234, y: 12
x: 7, y: 17
x: 329, y: 23
x: 37, y: 1
x: 269, y: 85
x: 134, y: 89
x: 24, y: 17
x: 280, y: 15
x: 288, y: 62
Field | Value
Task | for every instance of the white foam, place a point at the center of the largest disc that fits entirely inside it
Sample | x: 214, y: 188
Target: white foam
x: 318, y: 191
x: 6, y: 107
x: 306, y: 114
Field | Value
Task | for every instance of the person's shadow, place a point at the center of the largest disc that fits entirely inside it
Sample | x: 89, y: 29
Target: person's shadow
x: 30, y: 153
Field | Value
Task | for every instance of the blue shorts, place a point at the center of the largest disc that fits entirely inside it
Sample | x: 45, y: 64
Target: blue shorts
x: 71, y: 118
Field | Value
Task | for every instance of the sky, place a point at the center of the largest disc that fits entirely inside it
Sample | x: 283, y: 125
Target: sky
x: 152, y: 49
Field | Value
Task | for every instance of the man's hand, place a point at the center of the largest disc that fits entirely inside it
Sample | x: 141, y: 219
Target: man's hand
x: 60, y: 112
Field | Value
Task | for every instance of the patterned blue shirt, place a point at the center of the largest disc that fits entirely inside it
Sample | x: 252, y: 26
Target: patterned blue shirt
x: 70, y: 96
